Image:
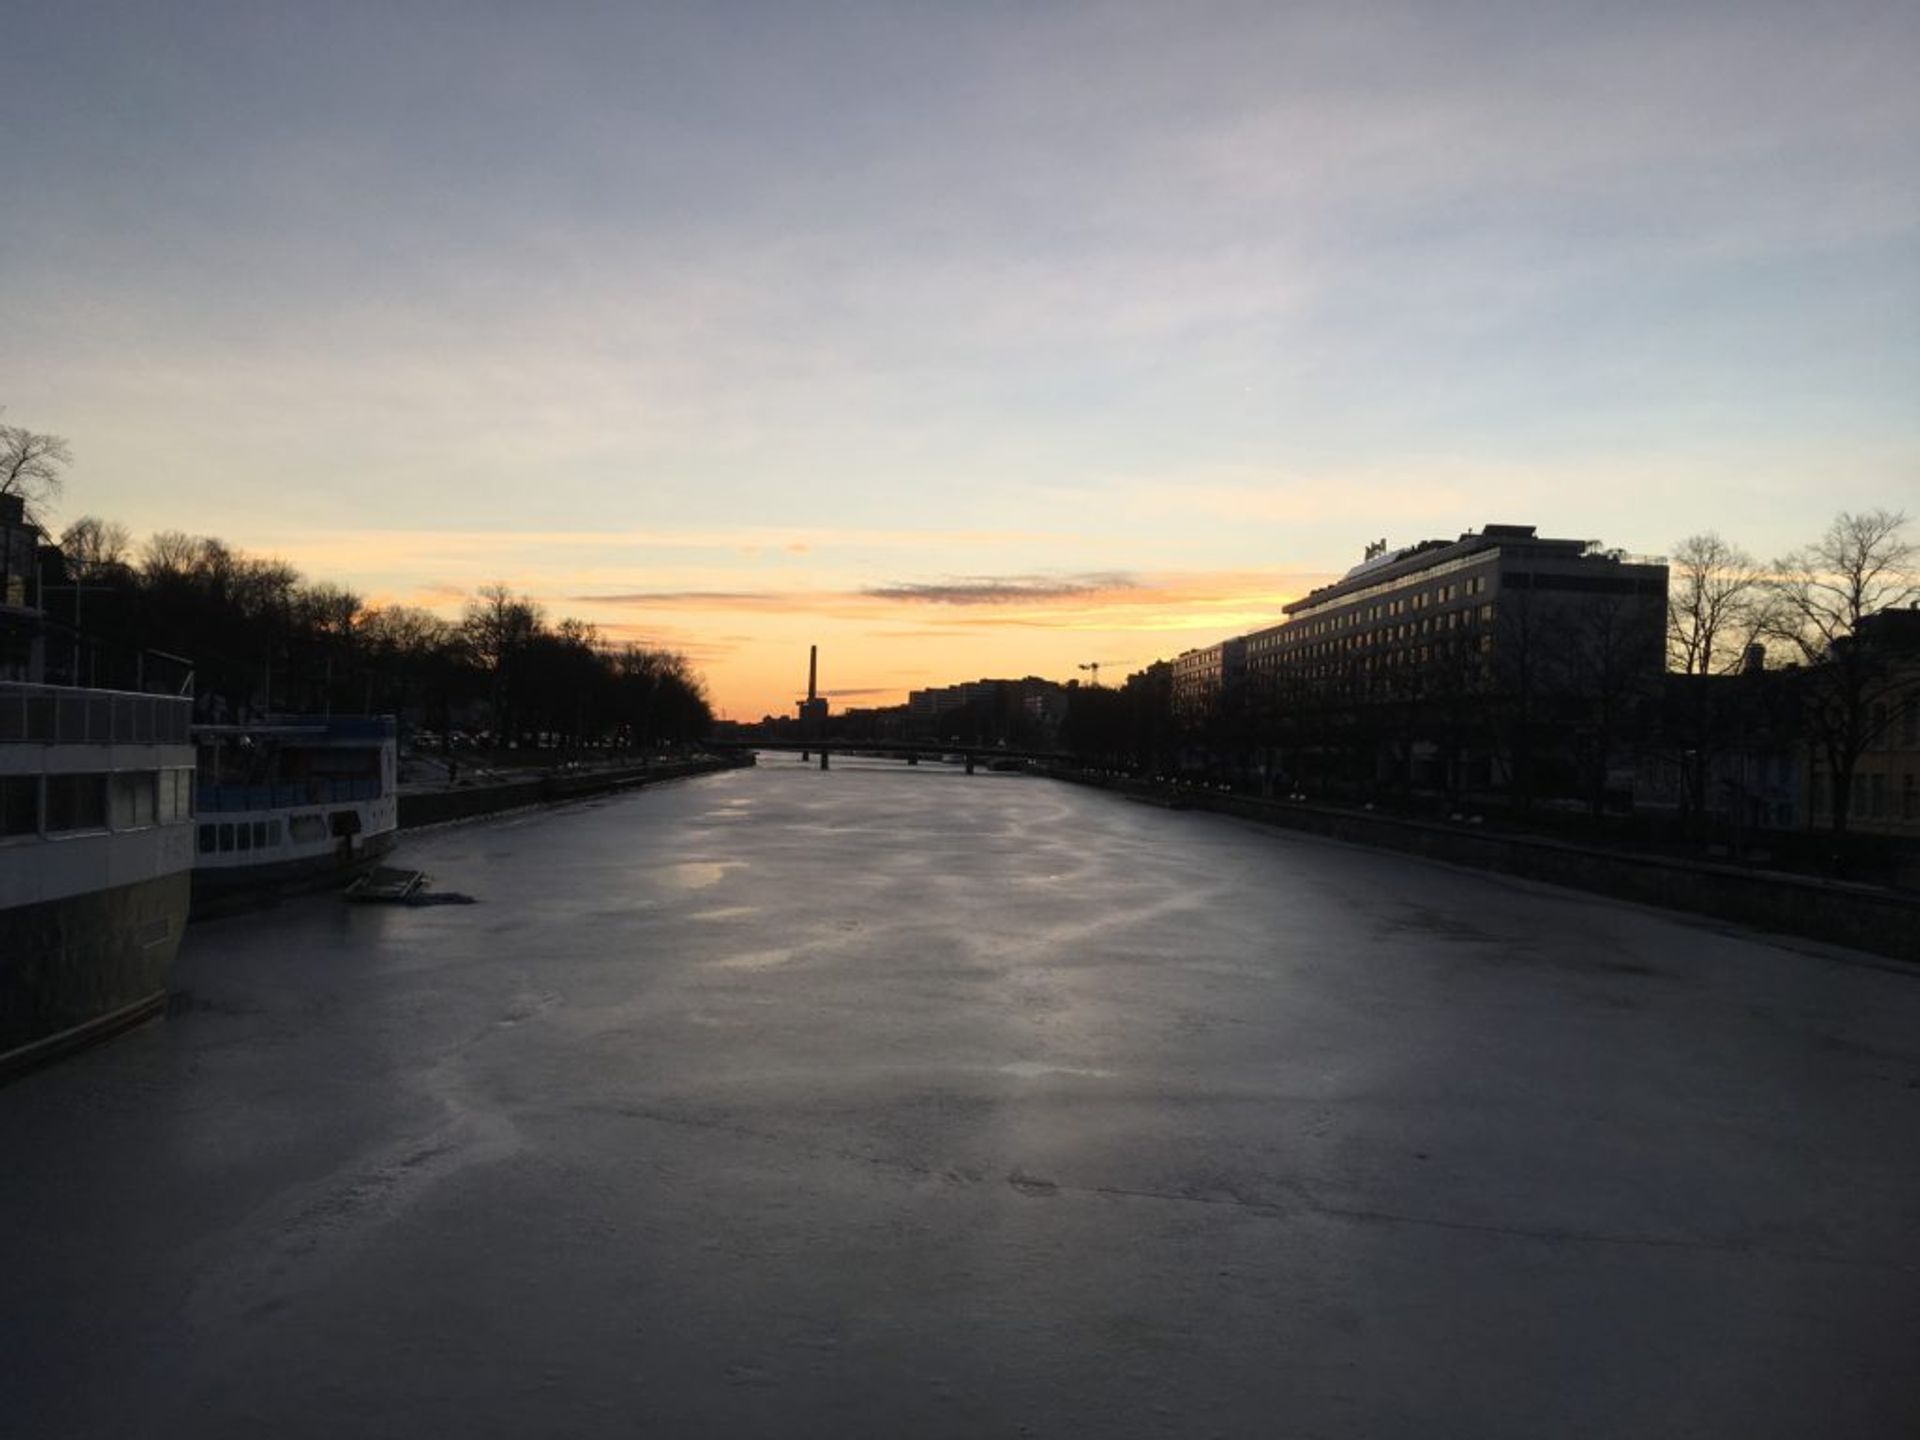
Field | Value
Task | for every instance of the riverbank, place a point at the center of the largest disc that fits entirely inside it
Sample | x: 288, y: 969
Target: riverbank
x: 1865, y: 917
x: 438, y: 805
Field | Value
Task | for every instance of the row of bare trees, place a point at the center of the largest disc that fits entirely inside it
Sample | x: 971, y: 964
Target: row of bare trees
x: 262, y: 638
x: 1803, y: 609
x: 1800, y: 607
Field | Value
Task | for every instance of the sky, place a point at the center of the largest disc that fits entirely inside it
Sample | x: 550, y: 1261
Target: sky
x: 962, y: 339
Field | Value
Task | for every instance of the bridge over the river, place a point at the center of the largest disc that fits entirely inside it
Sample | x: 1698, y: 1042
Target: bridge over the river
x: 911, y: 751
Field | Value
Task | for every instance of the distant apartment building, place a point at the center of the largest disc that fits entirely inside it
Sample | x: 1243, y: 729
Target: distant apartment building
x: 926, y: 706
x: 1027, y: 710
x: 1200, y: 678
x: 885, y: 722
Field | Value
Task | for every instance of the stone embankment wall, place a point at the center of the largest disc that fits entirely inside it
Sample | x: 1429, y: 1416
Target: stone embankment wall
x: 433, y: 807
x: 1886, y: 922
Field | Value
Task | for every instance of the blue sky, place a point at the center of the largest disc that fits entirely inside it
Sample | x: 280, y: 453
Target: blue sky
x: 1132, y: 318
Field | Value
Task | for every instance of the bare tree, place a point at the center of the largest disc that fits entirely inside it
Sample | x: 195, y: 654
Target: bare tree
x: 583, y: 634
x: 329, y: 610
x: 498, y: 623
x: 406, y: 630
x: 95, y: 548
x: 413, y: 654
x: 498, y: 627
x: 1716, y: 607
x: 265, y: 590
x: 1713, y: 605
x: 1862, y: 565
x: 31, y: 465
x: 170, y: 554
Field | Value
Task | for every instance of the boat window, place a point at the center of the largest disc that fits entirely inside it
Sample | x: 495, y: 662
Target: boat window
x: 273, y: 833
x: 206, y: 839
x: 307, y: 828
x: 259, y: 834
x: 243, y: 836
x: 19, y: 804
x: 70, y: 718
x: 76, y: 802
x: 133, y: 799
x: 226, y: 836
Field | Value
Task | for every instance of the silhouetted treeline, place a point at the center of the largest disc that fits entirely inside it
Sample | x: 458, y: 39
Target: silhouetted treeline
x: 263, y: 639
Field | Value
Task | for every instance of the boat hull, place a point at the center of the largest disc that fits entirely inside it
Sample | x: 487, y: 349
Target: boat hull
x: 80, y: 967
x: 223, y: 890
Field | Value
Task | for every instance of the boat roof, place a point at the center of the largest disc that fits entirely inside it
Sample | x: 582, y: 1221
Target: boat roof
x: 309, y: 727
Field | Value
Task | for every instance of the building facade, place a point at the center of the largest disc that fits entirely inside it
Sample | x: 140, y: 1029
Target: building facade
x: 1202, y: 677
x: 1884, y: 795
x: 1500, y: 659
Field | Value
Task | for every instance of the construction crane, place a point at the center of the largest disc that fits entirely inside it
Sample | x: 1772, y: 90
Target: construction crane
x: 1094, y: 667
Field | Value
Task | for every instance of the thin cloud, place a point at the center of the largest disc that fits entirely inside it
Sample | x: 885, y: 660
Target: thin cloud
x: 1221, y: 602
x: 698, y: 648
x: 477, y: 544
x: 683, y: 597
x: 1003, y: 590
x: 1106, y: 600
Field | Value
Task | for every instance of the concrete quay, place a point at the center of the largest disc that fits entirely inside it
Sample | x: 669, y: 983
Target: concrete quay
x: 1864, y: 917
x: 436, y: 805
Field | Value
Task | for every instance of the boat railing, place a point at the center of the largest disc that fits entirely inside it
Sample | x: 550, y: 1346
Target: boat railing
x: 65, y: 715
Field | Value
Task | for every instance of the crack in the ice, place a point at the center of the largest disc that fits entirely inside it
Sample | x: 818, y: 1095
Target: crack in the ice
x: 1301, y: 1199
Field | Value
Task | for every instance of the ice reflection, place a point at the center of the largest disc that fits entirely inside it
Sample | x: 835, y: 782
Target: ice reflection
x: 698, y: 874
x: 755, y: 960
x: 1040, y: 1069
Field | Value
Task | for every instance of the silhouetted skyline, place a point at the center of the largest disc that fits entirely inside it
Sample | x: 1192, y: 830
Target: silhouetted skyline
x: 973, y: 340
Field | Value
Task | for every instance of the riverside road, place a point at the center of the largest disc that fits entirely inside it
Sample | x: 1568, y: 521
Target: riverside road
x: 894, y: 1102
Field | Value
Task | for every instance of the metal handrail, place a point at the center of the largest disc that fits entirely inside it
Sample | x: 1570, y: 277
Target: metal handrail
x: 33, y: 714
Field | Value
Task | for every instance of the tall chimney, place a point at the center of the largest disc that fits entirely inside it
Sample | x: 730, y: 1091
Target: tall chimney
x: 813, y: 668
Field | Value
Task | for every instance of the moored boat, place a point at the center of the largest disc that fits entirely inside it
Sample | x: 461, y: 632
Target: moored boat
x: 96, y: 854
x: 295, y: 802
x: 96, y: 834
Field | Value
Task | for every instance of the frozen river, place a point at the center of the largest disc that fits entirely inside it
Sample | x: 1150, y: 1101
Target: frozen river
x: 892, y: 1102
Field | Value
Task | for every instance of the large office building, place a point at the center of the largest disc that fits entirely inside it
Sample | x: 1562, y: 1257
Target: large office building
x: 1439, y: 662
x: 1417, y: 611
